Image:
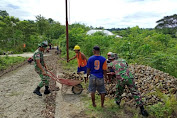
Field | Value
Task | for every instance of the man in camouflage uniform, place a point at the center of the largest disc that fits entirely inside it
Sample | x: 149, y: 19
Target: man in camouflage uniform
x: 125, y: 77
x: 108, y: 54
x: 41, y: 69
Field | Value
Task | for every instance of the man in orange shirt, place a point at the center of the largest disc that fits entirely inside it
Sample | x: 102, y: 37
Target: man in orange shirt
x: 81, y: 59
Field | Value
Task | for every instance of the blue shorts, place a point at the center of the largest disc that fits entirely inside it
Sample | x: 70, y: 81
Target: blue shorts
x: 79, y: 69
x: 96, y: 84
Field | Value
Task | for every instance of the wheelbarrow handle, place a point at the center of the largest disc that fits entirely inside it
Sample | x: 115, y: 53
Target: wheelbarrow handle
x: 52, y: 74
x: 51, y: 77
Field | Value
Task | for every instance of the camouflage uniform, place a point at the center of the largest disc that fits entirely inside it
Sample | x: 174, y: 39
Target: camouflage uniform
x: 44, y: 79
x: 124, y: 77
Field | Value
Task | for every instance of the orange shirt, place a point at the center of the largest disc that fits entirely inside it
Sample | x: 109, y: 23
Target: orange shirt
x: 81, y: 62
x: 105, y: 65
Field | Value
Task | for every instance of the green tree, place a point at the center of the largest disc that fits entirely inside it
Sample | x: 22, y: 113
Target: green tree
x: 42, y: 24
x: 50, y: 20
x: 3, y: 13
x: 168, y: 25
x: 8, y: 27
x: 56, y: 30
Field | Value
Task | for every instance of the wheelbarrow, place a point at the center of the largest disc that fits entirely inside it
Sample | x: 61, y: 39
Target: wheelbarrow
x: 76, y: 86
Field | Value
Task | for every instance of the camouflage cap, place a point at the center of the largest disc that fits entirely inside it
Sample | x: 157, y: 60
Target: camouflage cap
x: 44, y: 44
x: 112, y: 56
x: 109, y: 53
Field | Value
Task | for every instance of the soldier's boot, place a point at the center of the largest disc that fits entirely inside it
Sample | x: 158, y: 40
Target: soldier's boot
x: 118, y: 103
x: 37, y: 91
x: 47, y: 91
x: 143, y: 111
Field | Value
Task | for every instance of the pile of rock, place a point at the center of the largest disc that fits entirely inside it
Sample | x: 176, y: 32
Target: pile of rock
x: 74, y: 76
x: 148, y: 81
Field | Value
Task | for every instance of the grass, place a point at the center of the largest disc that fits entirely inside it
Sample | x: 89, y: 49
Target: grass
x: 107, y: 112
x: 69, y: 66
x: 165, y: 108
x: 6, y: 62
x: 111, y: 110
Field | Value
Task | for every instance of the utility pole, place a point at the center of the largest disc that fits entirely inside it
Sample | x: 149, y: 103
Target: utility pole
x: 67, y: 40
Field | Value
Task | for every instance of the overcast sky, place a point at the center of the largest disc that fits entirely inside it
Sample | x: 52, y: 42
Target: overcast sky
x: 106, y: 13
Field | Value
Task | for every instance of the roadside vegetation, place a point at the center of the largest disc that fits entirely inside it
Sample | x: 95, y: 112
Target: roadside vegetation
x: 6, y: 61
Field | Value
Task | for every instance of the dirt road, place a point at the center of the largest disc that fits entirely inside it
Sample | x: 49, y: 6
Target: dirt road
x: 67, y: 104
x: 22, y: 55
x: 18, y: 101
x: 16, y: 98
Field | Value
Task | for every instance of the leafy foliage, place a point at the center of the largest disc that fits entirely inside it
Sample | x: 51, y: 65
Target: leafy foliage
x: 15, y: 33
x: 167, y: 22
x: 168, y: 25
x: 3, y: 13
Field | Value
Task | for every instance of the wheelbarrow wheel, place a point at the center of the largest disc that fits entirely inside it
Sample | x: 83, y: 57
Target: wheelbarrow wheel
x: 77, y: 89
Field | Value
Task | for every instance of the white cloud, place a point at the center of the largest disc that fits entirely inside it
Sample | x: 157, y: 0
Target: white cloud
x: 106, y: 13
x: 26, y: 9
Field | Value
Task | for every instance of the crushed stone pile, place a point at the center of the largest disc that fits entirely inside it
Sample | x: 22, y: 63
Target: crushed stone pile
x: 150, y: 83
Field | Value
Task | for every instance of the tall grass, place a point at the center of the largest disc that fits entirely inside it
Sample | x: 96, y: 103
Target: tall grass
x: 6, y: 62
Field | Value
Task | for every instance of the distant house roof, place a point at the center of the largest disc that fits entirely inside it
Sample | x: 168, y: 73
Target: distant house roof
x: 106, y: 32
